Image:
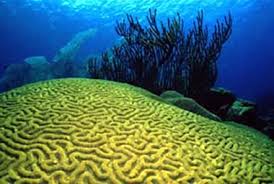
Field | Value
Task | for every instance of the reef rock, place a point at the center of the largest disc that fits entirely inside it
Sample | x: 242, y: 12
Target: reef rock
x: 189, y: 104
x: 95, y: 131
x: 69, y: 51
x: 242, y: 111
x: 37, y: 68
x: 40, y: 68
x: 265, y: 123
x: 36, y: 61
x: 33, y: 69
x: 64, y: 61
x: 217, y: 100
x: 14, y: 76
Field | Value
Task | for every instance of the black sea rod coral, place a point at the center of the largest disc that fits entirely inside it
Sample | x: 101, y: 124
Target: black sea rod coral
x: 161, y: 56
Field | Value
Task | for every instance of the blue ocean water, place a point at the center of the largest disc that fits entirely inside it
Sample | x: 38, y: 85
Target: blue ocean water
x: 41, y: 27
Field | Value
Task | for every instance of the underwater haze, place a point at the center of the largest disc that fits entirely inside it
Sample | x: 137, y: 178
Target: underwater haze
x: 42, y: 27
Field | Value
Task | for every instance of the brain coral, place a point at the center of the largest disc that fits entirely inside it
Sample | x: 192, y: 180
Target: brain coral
x: 94, y: 131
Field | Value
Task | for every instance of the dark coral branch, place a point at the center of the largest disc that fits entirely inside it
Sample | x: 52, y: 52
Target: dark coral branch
x: 161, y: 57
x: 93, y: 68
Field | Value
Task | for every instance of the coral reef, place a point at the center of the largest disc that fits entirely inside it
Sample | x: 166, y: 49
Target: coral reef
x: 228, y: 107
x: 242, y: 111
x: 265, y: 123
x: 163, y: 56
x: 37, y: 68
x: 64, y: 64
x: 15, y: 75
x: 69, y: 51
x: 95, y: 131
x: 217, y: 100
x: 40, y: 69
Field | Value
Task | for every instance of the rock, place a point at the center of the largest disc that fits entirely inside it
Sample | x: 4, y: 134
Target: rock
x: 189, y: 104
x: 64, y: 61
x: 37, y: 68
x: 269, y: 131
x: 36, y: 61
x: 40, y: 68
x: 63, y: 69
x: 217, y: 100
x: 33, y: 69
x: 266, y: 122
x: 171, y: 95
x: 14, y: 76
x: 242, y: 111
x: 69, y: 51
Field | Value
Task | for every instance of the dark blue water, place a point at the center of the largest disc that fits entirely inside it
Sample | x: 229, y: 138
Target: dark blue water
x: 42, y: 27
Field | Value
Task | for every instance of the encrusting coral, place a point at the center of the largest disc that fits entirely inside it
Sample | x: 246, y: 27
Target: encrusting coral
x: 95, y: 131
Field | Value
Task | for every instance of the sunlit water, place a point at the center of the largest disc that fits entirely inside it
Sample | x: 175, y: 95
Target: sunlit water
x: 107, y: 11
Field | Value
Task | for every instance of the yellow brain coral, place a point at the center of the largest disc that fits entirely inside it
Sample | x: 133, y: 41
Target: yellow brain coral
x: 94, y: 131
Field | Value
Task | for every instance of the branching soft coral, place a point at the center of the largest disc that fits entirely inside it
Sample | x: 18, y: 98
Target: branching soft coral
x: 162, y: 56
